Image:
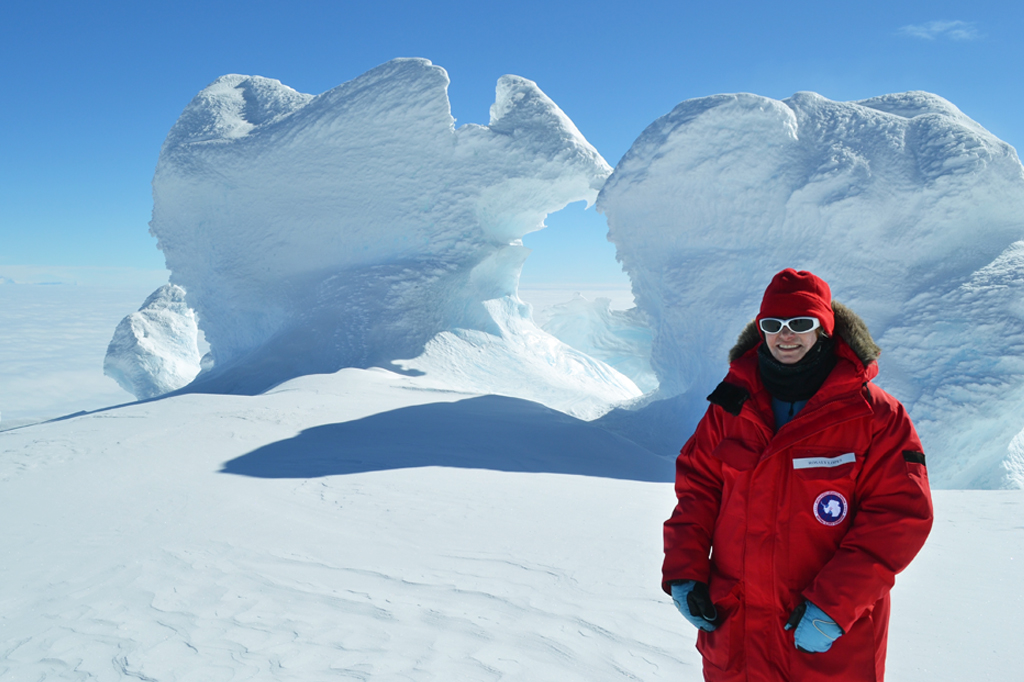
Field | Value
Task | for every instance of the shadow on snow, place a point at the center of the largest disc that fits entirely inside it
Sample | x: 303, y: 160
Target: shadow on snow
x: 488, y: 432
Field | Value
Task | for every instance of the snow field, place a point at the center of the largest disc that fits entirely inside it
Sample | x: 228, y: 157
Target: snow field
x: 130, y: 553
x: 956, y: 609
x: 142, y: 559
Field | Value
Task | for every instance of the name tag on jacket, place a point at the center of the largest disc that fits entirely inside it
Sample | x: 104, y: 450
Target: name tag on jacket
x: 823, y: 462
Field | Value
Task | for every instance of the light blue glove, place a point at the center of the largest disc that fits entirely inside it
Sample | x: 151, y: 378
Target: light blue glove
x: 694, y: 602
x: 815, y: 631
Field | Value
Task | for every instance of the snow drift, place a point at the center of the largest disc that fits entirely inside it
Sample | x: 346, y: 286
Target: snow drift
x: 352, y: 228
x: 155, y: 350
x: 908, y: 208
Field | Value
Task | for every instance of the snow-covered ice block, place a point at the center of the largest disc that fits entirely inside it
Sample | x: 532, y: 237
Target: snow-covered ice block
x: 351, y: 228
x: 155, y: 350
x: 900, y: 202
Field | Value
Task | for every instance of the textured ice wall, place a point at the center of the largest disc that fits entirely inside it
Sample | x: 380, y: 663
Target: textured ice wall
x: 907, y: 207
x: 155, y: 351
x: 350, y: 228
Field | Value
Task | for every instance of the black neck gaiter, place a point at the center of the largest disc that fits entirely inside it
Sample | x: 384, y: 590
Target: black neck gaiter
x: 802, y: 379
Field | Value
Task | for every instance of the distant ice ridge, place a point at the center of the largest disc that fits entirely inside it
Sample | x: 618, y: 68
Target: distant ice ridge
x: 353, y: 228
x: 909, y: 209
x: 620, y: 338
x: 155, y: 350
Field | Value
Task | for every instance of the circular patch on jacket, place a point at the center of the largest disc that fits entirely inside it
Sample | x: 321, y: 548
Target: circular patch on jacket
x: 830, y: 508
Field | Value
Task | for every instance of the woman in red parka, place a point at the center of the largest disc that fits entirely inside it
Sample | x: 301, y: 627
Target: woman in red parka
x: 801, y: 495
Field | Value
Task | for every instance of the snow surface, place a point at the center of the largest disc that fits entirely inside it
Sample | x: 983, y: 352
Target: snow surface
x: 909, y: 209
x: 364, y: 526
x: 353, y: 228
x: 155, y: 350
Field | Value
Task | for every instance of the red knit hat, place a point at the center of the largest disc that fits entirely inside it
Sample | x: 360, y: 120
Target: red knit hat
x: 796, y: 294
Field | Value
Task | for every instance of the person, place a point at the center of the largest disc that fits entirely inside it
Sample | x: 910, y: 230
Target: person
x: 800, y: 496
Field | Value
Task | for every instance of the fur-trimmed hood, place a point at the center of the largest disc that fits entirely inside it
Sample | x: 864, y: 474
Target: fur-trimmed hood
x: 849, y: 327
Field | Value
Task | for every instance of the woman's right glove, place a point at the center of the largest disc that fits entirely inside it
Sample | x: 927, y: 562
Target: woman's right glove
x: 694, y: 602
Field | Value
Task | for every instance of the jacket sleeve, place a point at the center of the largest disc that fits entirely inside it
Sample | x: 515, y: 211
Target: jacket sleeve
x: 893, y: 518
x: 689, y: 530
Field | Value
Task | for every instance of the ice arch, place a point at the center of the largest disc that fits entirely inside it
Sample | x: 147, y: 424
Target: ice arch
x: 360, y: 227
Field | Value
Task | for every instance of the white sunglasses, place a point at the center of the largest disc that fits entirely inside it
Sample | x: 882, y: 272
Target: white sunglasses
x: 797, y: 325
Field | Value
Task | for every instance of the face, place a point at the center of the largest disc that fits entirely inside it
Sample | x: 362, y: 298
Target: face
x: 788, y: 347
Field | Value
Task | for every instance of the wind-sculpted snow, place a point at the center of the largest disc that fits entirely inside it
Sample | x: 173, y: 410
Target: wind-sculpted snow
x: 154, y: 351
x: 351, y: 228
x: 909, y: 209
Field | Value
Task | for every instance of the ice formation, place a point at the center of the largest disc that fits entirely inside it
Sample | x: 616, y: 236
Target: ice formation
x: 909, y: 209
x: 619, y: 338
x: 1015, y: 462
x: 361, y: 228
x: 352, y: 228
x: 155, y: 350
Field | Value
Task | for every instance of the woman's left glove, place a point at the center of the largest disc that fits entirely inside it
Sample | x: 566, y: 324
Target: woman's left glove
x: 815, y: 631
x: 694, y: 602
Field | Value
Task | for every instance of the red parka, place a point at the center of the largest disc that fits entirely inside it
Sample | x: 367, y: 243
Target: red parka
x: 828, y: 509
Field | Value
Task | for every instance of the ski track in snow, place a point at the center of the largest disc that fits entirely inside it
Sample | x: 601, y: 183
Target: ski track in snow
x: 131, y: 555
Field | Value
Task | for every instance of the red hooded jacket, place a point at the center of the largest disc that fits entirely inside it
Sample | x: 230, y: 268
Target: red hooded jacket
x: 828, y: 509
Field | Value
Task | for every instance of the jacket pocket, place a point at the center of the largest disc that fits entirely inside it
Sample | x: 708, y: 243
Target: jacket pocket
x: 723, y: 647
x: 738, y: 454
x: 822, y: 502
x: 851, y: 657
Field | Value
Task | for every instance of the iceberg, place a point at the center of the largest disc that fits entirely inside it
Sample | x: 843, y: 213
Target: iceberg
x: 155, y: 350
x: 909, y: 209
x: 361, y: 228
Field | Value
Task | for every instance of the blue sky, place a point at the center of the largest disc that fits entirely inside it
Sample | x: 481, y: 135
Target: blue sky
x: 92, y: 88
